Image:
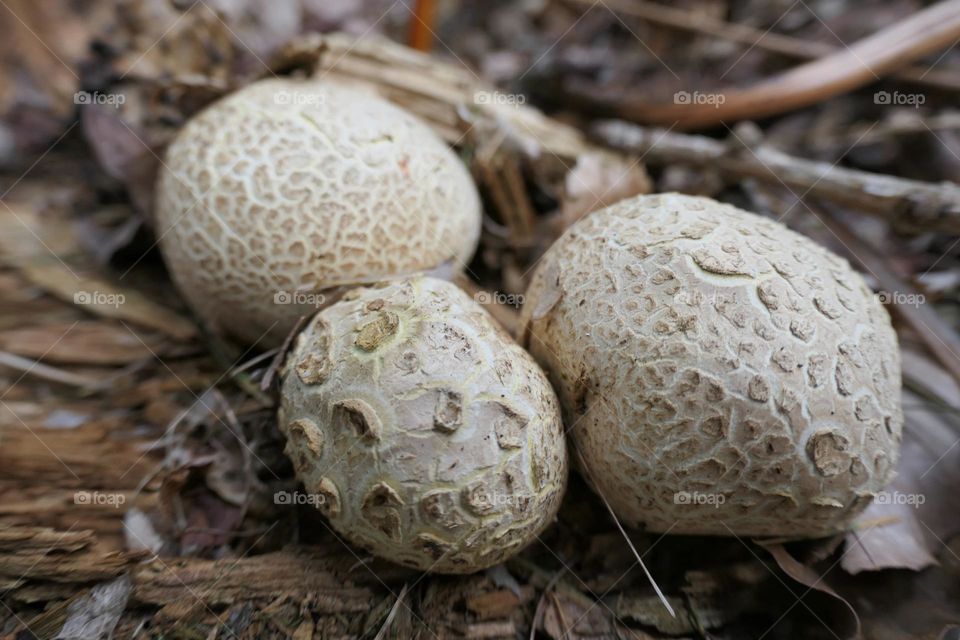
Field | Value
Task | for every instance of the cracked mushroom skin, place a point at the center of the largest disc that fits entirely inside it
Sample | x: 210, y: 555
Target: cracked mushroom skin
x: 287, y: 188
x: 426, y: 434
x: 720, y: 374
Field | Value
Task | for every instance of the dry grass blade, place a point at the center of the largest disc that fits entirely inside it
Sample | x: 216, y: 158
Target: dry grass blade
x: 280, y: 354
x: 46, y: 372
x: 653, y: 583
x: 785, y: 45
x: 393, y: 614
x: 538, y: 612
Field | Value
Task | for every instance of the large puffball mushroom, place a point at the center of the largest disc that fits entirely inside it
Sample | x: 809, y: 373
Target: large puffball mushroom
x: 286, y: 188
x: 720, y: 374
x: 425, y: 433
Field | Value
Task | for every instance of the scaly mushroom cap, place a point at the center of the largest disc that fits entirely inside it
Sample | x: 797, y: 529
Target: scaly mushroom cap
x: 426, y: 434
x: 285, y: 188
x: 720, y: 373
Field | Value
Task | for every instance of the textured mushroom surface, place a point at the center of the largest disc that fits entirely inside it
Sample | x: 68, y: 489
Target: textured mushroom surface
x: 426, y: 434
x: 720, y: 374
x: 286, y: 188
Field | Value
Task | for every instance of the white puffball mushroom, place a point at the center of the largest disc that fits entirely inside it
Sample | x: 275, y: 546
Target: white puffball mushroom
x: 426, y: 435
x: 720, y: 374
x: 286, y: 188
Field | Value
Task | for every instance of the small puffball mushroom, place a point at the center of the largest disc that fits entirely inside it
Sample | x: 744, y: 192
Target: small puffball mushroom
x: 287, y: 188
x: 425, y: 433
x: 720, y: 374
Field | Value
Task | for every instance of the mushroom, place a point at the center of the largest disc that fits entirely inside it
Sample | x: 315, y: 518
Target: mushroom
x: 720, y: 373
x: 421, y: 430
x: 287, y: 190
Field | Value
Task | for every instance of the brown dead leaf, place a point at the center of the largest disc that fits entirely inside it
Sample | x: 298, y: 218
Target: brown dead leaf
x: 810, y: 579
x: 125, y: 153
x: 210, y: 523
x: 570, y: 614
x: 497, y: 604
x: 907, y: 523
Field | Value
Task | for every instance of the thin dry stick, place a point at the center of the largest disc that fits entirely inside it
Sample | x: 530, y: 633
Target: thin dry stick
x: 663, y: 598
x: 790, y: 46
x: 915, y: 204
x: 562, y: 619
x: 925, y: 32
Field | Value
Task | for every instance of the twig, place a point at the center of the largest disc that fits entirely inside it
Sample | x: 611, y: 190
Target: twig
x: 915, y: 204
x: 897, y: 123
x: 421, y: 25
x: 925, y: 32
x: 785, y: 45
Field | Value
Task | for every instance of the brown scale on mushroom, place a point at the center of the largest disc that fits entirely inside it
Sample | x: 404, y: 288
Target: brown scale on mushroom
x: 794, y: 413
x: 286, y: 188
x: 438, y: 440
x: 449, y: 410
